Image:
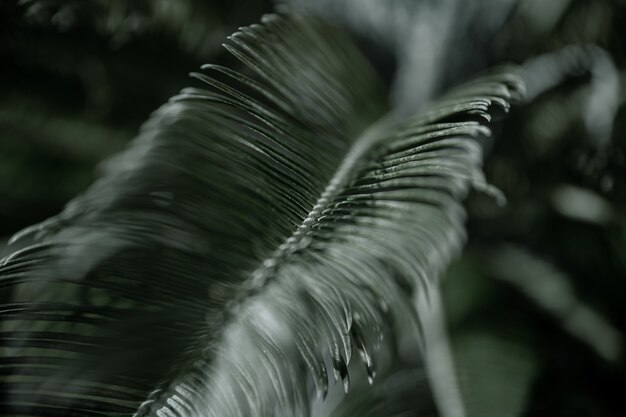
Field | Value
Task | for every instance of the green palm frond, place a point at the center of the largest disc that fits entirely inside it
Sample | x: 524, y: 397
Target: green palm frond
x: 276, y: 218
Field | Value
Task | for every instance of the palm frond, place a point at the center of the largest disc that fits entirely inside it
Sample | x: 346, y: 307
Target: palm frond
x: 255, y: 228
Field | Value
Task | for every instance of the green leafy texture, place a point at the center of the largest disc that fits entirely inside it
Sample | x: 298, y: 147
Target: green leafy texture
x: 254, y: 229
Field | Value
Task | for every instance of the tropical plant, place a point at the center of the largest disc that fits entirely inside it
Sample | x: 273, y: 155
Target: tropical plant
x: 273, y: 242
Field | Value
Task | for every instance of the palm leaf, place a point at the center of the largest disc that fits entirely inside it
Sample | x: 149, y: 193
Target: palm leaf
x: 276, y: 218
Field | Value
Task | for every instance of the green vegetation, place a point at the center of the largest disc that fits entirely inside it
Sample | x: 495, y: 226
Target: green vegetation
x: 353, y: 208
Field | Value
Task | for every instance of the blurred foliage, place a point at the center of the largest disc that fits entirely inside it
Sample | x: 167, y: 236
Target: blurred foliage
x: 566, y: 206
x: 83, y: 75
x: 81, y: 78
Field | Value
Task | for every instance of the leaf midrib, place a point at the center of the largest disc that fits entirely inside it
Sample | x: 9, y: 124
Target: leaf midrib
x: 351, y: 164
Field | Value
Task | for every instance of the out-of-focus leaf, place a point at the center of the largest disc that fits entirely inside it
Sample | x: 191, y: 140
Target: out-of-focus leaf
x: 198, y: 25
x: 427, y: 38
x: 551, y: 290
x: 495, y: 374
